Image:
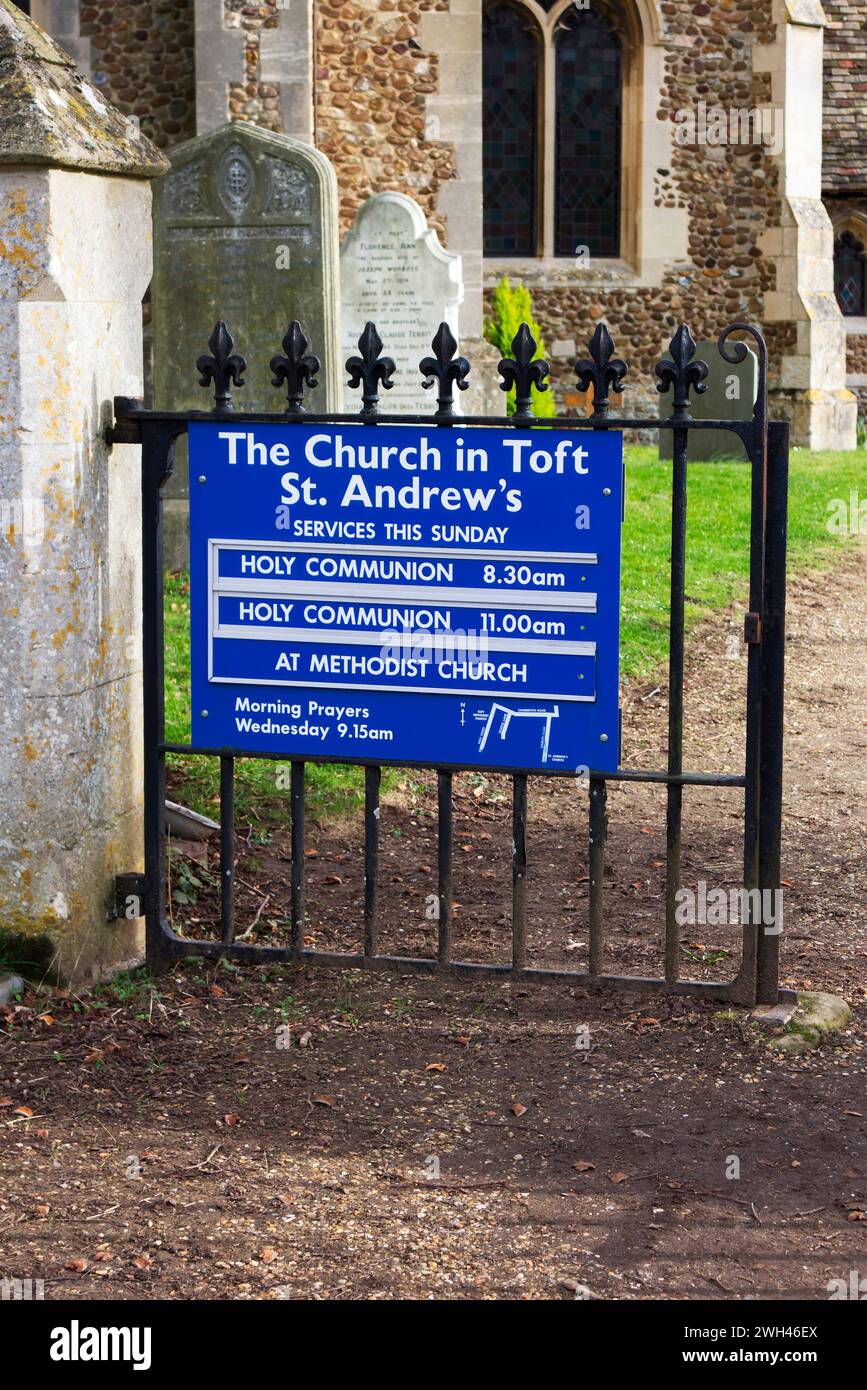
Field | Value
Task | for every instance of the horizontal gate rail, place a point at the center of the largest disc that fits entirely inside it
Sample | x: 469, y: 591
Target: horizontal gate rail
x: 680, y: 373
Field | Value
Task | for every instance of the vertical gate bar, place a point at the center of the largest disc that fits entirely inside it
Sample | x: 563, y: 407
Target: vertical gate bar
x: 296, y: 799
x: 598, y: 836
x: 157, y: 447
x: 227, y: 850
x: 372, y: 779
x: 519, y: 871
x: 674, y: 807
x: 773, y: 650
x: 444, y: 865
x: 757, y: 450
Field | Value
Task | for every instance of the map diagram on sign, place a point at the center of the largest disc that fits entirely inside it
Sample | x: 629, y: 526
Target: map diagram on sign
x: 507, y: 715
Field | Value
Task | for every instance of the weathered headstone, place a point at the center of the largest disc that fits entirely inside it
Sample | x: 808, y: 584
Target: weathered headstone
x: 394, y: 271
x: 245, y: 229
x: 730, y: 395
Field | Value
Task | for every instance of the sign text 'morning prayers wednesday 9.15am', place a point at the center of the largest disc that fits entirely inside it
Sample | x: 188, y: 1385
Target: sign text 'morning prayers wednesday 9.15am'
x: 396, y: 593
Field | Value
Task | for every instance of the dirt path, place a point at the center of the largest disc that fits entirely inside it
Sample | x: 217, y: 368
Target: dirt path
x: 175, y: 1150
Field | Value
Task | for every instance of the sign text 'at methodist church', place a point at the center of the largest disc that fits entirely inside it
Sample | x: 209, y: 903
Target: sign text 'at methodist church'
x: 403, y: 594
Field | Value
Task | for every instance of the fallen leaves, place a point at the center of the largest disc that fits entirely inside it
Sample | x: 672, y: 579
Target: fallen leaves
x: 617, y: 1178
x: 435, y: 1066
x: 518, y: 1109
x: 582, y: 1166
x: 325, y: 1100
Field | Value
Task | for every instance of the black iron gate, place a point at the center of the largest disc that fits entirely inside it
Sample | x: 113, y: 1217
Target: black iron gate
x: 757, y: 980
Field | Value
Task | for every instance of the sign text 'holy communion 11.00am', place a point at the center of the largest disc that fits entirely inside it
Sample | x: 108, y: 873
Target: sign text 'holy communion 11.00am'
x: 407, y: 594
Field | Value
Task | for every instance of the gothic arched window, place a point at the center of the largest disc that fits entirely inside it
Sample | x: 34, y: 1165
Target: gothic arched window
x: 587, y: 169
x: 511, y: 90
x: 850, y: 275
x: 553, y: 96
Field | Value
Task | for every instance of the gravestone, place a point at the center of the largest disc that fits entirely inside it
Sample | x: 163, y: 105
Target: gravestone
x: 245, y: 229
x: 394, y: 271
x: 730, y: 395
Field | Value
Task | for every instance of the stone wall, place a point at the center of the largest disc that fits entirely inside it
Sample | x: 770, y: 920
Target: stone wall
x: 704, y: 222
x: 845, y: 121
x: 371, y: 90
x: 253, y: 100
x: 141, y: 54
x: 731, y: 193
x: 856, y: 367
x: 372, y: 79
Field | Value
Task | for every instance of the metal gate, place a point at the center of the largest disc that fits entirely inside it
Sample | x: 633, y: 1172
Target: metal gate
x: 757, y: 980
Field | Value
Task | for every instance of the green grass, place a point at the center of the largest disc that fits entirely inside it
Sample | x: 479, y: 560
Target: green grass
x: 717, y: 548
x: 717, y: 574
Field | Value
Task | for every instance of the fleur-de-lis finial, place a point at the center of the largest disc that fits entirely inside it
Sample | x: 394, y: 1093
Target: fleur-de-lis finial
x: 604, y: 373
x: 523, y: 372
x: 298, y: 368
x: 443, y: 369
x: 370, y: 370
x: 682, y: 371
x: 223, y: 367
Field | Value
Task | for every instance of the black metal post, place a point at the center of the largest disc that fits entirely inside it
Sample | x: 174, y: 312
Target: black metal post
x: 227, y: 850
x: 773, y: 652
x: 598, y: 836
x: 372, y: 778
x: 444, y: 866
x: 157, y: 460
x: 519, y: 871
x: 674, y: 808
x: 296, y: 799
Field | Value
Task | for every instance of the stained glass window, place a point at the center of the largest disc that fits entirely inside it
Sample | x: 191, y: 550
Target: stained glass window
x: 510, y: 50
x: 850, y: 275
x: 587, y: 166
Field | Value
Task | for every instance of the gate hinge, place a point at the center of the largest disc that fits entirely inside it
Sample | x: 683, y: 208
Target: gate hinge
x: 124, y: 429
x: 753, y: 629
x: 129, y: 896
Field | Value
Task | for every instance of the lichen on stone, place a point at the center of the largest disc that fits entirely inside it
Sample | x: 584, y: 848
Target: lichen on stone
x: 50, y: 113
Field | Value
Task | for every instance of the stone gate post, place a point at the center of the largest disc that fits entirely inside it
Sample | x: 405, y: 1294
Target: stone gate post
x: 75, y: 260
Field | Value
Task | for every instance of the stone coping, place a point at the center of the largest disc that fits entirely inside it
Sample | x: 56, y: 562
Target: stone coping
x: 50, y: 114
